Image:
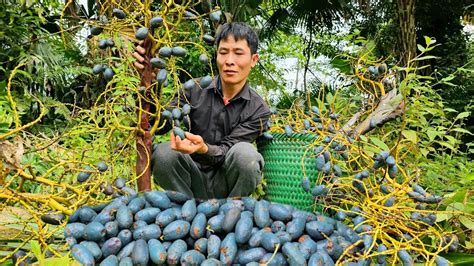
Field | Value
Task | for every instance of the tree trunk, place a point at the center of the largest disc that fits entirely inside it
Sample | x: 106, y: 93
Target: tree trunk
x: 144, y: 138
x: 407, y: 37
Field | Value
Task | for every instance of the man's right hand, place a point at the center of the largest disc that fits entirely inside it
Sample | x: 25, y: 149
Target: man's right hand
x: 191, y: 144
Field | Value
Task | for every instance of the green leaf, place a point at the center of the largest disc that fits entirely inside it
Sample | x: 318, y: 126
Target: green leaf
x: 36, y: 249
x: 371, y: 150
x: 451, y: 110
x: 443, y: 216
x: 451, y: 139
x: 469, y: 245
x: 446, y: 144
x: 329, y: 98
x: 456, y: 206
x: 421, y: 48
x: 462, y: 130
x: 467, y: 222
x: 459, y: 196
x: 448, y: 78
x: 410, y: 135
x: 342, y: 64
x: 460, y: 258
x: 57, y: 261
x: 425, y: 58
x: 450, y: 84
x: 431, y: 134
x: 462, y: 115
x: 470, y: 176
x: 424, y: 151
x: 427, y: 40
x: 379, y: 143
x: 321, y: 105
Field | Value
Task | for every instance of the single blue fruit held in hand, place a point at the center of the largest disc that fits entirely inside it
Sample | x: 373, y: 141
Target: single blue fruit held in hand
x: 179, y: 132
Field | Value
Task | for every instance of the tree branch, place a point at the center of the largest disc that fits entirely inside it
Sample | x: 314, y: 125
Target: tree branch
x: 390, y: 106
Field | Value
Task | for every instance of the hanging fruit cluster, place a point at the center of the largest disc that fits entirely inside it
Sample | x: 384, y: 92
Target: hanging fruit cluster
x: 172, y: 32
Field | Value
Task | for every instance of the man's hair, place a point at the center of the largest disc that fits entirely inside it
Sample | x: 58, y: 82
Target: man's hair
x: 240, y: 31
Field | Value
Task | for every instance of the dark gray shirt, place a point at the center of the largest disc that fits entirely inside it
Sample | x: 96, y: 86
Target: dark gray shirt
x: 221, y: 126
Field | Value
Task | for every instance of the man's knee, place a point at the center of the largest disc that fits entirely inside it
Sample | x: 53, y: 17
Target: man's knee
x: 245, y: 157
x: 164, y: 157
x: 163, y: 153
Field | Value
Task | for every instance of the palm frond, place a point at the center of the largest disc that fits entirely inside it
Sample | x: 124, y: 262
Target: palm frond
x: 307, y: 15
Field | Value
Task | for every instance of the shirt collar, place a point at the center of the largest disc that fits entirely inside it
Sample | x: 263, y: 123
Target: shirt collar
x: 216, y: 86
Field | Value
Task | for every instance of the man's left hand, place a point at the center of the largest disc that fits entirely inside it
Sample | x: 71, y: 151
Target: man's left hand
x: 191, y: 144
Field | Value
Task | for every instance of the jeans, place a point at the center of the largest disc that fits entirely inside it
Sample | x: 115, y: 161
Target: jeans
x: 238, y: 176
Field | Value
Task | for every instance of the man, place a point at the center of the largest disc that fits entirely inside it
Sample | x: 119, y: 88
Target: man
x: 217, y: 159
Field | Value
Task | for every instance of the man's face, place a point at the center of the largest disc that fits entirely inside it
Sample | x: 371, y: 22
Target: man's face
x: 234, y: 61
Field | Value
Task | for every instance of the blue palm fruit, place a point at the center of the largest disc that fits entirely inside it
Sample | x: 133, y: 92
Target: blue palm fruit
x: 390, y: 161
x: 320, y: 162
x: 288, y: 131
x: 305, y: 184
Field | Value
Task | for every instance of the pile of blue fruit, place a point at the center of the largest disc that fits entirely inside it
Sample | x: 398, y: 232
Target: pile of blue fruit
x: 170, y: 228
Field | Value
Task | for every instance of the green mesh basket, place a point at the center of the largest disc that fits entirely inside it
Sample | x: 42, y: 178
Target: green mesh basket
x: 283, y: 169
